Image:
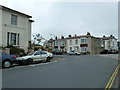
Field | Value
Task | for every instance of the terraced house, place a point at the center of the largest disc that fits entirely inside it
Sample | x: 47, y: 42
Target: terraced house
x: 109, y: 42
x: 84, y: 44
x: 15, y: 28
x: 60, y: 44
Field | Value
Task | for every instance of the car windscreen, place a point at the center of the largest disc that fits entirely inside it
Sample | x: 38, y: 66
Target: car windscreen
x: 3, y: 53
x: 31, y: 53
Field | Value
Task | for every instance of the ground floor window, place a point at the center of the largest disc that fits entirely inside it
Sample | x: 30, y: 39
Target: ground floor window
x: 13, y: 38
x: 84, y: 49
x: 76, y: 48
x: 70, y: 48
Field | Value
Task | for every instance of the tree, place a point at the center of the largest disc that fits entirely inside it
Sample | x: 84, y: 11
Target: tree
x: 37, y: 39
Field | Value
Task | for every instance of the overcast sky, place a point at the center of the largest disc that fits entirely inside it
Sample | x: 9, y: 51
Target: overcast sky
x: 64, y: 18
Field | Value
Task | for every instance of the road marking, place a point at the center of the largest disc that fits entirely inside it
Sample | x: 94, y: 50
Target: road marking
x: 111, y: 81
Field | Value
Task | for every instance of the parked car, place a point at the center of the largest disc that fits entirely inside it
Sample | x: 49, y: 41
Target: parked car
x: 113, y: 52
x: 49, y: 54
x: 104, y: 52
x: 35, y: 56
x: 57, y: 52
x: 73, y: 53
x: 7, y: 60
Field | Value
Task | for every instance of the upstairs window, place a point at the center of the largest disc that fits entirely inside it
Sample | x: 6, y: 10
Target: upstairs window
x: 76, y: 41
x: 84, y: 41
x: 70, y: 42
x: 56, y: 43
x: 13, y: 19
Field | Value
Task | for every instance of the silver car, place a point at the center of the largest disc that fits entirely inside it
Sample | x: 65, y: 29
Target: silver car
x: 73, y: 53
x: 34, y: 56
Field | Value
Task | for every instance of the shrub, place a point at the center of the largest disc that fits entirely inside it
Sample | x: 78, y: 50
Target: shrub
x: 36, y: 48
x: 15, y: 50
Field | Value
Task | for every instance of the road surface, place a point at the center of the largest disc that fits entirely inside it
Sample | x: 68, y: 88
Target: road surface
x: 82, y: 71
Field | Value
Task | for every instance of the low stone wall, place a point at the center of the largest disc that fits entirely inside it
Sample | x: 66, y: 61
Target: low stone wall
x: 6, y: 50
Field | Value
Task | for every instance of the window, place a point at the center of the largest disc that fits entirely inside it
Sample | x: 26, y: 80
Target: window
x: 76, y: 41
x: 70, y: 42
x: 62, y: 43
x: 70, y: 48
x: 38, y: 53
x: 2, y: 53
x: 43, y: 52
x: 18, y: 39
x: 13, y: 19
x: 13, y: 38
x: 56, y: 43
x: 84, y: 41
x: 8, y: 35
x: 83, y: 49
x: 76, y: 48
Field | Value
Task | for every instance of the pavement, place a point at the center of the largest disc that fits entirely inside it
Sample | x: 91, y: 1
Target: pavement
x: 82, y: 71
x: 114, y: 56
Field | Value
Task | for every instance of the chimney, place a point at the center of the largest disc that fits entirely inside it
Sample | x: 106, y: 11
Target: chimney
x: 88, y: 33
x: 56, y: 38
x: 70, y: 35
x: 62, y: 37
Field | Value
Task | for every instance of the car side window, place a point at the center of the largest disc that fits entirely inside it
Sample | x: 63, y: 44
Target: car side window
x: 44, y: 52
x: 37, y: 53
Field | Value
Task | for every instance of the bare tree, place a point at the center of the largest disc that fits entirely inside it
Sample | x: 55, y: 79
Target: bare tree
x: 37, y: 38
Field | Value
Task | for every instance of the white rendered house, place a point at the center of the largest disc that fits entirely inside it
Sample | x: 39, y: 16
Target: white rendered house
x: 15, y: 28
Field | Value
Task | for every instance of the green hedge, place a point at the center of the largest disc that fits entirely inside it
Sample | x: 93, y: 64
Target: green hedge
x: 15, y: 50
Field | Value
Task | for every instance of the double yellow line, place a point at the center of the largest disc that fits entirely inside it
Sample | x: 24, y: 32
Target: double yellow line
x: 111, y: 81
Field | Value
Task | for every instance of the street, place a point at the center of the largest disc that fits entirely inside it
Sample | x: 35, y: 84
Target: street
x: 84, y: 71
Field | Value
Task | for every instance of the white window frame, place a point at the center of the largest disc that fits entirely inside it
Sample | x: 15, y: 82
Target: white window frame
x: 14, y: 19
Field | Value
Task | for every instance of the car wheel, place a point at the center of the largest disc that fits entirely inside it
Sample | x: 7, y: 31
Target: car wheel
x: 6, y: 64
x: 22, y: 62
x: 29, y: 61
x: 48, y: 59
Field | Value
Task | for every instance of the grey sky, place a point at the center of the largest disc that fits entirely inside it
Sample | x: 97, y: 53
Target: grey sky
x: 64, y: 18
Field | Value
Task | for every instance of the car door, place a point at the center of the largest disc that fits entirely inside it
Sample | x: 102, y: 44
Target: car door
x: 43, y: 55
x: 72, y: 52
x: 37, y: 56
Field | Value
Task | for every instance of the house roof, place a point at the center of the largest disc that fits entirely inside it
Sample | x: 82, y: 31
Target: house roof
x: 31, y: 20
x: 107, y: 38
x: 74, y: 37
x: 14, y: 11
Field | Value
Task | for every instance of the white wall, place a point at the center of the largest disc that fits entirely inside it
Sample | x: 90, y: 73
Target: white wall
x: 115, y: 46
x: 23, y: 27
x: 111, y: 44
x: 0, y: 45
x: 84, y: 43
x: 106, y: 44
x: 73, y: 45
x: 0, y: 26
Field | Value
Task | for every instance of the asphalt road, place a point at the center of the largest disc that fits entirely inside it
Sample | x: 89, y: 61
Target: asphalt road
x: 69, y: 72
